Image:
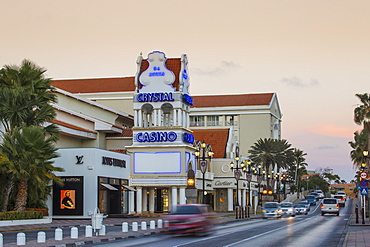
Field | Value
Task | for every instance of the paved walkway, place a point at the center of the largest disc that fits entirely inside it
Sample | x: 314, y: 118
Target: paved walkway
x: 359, y: 237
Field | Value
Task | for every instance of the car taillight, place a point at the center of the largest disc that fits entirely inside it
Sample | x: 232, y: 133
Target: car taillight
x: 342, y: 199
x: 322, y: 205
x: 337, y: 205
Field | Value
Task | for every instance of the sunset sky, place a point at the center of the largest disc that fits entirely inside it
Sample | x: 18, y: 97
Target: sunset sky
x: 315, y: 54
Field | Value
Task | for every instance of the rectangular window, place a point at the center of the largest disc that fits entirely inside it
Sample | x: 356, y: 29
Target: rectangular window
x: 231, y: 121
x: 196, y: 121
x: 213, y: 120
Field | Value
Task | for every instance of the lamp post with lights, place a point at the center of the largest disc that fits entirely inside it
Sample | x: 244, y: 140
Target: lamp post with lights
x: 203, y: 156
x: 237, y: 174
x: 248, y: 170
x: 364, y: 182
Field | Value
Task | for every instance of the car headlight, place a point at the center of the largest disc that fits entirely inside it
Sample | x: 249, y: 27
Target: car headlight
x: 264, y: 211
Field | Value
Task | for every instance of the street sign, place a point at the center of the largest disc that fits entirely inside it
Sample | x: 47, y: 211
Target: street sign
x: 364, y: 191
x: 203, y: 166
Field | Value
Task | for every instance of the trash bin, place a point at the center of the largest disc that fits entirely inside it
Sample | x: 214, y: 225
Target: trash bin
x: 97, y: 219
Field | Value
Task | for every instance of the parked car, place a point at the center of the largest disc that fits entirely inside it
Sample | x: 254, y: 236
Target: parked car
x: 307, y: 204
x: 311, y: 199
x: 287, y: 208
x: 271, y: 210
x: 341, y: 200
x: 300, y: 209
x: 329, y: 206
x: 320, y: 193
x: 190, y: 219
x: 341, y: 193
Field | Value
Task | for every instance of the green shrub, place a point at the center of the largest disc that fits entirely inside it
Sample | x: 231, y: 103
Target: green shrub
x: 21, y: 215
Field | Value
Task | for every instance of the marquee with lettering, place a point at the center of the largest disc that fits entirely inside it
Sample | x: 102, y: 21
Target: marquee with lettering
x: 156, y: 136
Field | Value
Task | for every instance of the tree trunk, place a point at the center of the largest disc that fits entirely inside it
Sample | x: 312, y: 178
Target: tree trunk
x: 7, y: 191
x: 21, y: 199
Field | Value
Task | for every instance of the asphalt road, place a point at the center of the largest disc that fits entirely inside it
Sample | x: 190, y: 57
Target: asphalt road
x: 303, y: 230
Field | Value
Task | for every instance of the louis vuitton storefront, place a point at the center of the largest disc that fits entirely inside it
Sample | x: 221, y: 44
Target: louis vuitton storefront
x: 93, y: 178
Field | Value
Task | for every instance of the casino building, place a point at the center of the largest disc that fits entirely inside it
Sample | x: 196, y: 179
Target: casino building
x: 162, y: 122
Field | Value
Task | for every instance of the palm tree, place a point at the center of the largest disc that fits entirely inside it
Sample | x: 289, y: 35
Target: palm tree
x: 270, y: 152
x: 358, y: 145
x: 25, y: 94
x: 362, y: 113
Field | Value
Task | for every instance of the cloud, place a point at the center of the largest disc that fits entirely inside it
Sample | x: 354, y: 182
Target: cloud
x: 297, y: 82
x: 224, y: 68
x: 332, y: 130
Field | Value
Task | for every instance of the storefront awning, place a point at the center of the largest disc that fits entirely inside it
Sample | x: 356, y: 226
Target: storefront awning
x: 129, y: 187
x: 109, y: 187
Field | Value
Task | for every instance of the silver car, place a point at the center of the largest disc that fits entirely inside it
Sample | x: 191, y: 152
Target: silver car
x: 271, y: 210
x: 288, y: 208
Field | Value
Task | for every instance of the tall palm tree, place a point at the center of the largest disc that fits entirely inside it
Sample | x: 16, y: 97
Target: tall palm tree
x: 362, y: 113
x: 25, y: 94
x: 358, y: 146
x: 30, y: 154
x: 270, y: 152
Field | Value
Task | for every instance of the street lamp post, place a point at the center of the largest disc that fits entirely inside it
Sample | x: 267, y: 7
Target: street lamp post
x: 237, y: 174
x: 248, y: 170
x: 259, y: 181
x: 363, y: 184
x: 203, y: 155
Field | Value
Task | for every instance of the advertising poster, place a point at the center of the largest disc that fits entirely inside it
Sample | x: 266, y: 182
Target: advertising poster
x: 68, y: 199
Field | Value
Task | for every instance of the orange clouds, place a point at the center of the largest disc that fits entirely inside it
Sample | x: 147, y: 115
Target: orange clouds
x: 332, y: 130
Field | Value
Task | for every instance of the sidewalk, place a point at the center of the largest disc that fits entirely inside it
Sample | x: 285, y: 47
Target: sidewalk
x: 361, y: 237
x: 65, y: 225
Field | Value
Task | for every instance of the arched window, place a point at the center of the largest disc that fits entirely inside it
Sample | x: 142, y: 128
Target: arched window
x: 167, y: 110
x: 147, y: 111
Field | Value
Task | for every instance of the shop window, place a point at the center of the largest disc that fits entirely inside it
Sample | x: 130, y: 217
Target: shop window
x: 196, y: 121
x: 213, y: 121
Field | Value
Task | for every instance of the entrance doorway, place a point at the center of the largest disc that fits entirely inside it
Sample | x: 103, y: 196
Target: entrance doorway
x: 161, y: 200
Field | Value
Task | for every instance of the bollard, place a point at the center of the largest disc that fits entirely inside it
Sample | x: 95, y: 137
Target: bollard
x: 88, y: 231
x: 41, y: 237
x: 166, y: 224
x: 21, y: 238
x: 1, y: 240
x: 124, y: 227
x: 74, y: 232
x: 143, y: 225
x: 102, y: 231
x: 160, y: 224
x: 236, y: 212
x: 356, y: 211
x: 134, y: 226
x: 152, y: 224
x: 58, y: 234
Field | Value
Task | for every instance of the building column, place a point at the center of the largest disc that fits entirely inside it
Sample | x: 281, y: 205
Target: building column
x: 140, y: 120
x: 244, y: 196
x: 174, y: 198
x: 145, y: 201
x: 179, y: 114
x: 230, y: 199
x: 136, y: 118
x: 151, y: 200
x: 131, y: 208
x: 139, y: 199
x: 182, y: 196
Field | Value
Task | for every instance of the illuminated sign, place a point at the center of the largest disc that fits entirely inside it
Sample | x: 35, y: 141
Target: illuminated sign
x: 188, y: 138
x: 156, y: 136
x: 154, y: 97
x: 187, y: 99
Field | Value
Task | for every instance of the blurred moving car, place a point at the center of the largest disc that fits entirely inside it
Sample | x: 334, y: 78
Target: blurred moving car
x: 287, y: 208
x: 341, y: 200
x: 329, y: 206
x: 320, y: 193
x: 300, y: 209
x: 307, y: 204
x: 311, y: 199
x: 316, y: 195
x: 341, y: 193
x: 271, y: 210
x: 190, y: 219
